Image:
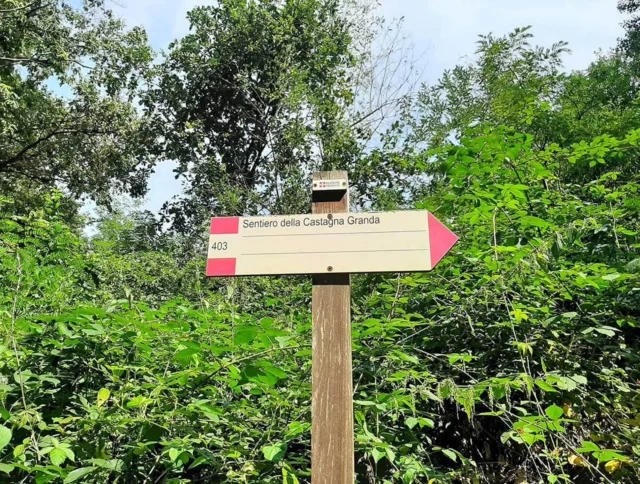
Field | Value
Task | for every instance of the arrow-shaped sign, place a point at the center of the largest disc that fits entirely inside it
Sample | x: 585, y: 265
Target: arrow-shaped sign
x: 411, y: 241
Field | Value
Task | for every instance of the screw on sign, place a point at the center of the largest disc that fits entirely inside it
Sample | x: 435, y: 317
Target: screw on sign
x: 329, y: 244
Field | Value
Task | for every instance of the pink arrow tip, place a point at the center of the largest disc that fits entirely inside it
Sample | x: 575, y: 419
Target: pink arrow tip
x: 441, y: 239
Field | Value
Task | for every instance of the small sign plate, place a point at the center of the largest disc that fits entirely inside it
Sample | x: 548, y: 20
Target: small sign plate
x: 326, y: 185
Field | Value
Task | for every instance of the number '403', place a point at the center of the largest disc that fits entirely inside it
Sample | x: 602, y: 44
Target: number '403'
x: 219, y: 246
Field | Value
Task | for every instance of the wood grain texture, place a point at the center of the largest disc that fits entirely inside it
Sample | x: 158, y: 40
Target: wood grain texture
x: 332, y: 457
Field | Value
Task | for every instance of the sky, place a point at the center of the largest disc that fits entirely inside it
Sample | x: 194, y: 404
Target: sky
x: 443, y: 32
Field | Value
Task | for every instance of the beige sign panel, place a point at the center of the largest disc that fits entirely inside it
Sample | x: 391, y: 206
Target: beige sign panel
x: 411, y: 241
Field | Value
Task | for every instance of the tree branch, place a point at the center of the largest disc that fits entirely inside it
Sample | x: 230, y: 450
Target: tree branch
x: 27, y: 6
x: 46, y: 62
x: 22, y: 153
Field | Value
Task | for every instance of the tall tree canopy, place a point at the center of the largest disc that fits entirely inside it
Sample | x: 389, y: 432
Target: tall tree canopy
x: 516, y: 361
x: 67, y: 80
x: 514, y: 83
x: 250, y: 102
x: 630, y: 43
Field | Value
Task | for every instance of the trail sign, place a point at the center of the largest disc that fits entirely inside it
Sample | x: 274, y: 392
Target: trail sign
x: 329, y: 244
x: 410, y: 241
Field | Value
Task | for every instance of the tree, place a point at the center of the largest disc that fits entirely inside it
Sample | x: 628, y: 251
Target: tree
x: 127, y: 228
x: 630, y: 43
x: 249, y: 103
x: 513, y: 84
x: 86, y: 139
x: 516, y: 360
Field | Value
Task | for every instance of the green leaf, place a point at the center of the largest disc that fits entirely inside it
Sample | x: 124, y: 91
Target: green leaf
x: 411, y: 422
x: 450, y: 454
x: 6, y: 468
x: 266, y: 323
x: 50, y: 440
x: 505, y: 436
x: 245, y: 334
x: 174, y: 454
x: 377, y: 454
x: 530, y: 220
x: 57, y: 456
x: 267, y: 378
x: 42, y: 478
x: 426, y: 422
x: 608, y: 454
x: 103, y: 396
x: 405, y: 357
x: 112, y: 464
x: 18, y: 450
x: 588, y: 447
x: 184, y: 357
x: 274, y: 452
x: 581, y: 380
x: 76, y: 474
x: 545, y: 386
x: 5, y: 436
x: 554, y: 412
x: 275, y: 371
x: 288, y: 478
x: 139, y: 401
x: 391, y: 455
x: 498, y: 391
x: 606, y: 331
x: 197, y: 462
x: 531, y: 439
x: 69, y: 453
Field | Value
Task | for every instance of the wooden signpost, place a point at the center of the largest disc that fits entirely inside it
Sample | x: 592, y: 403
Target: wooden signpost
x: 329, y: 244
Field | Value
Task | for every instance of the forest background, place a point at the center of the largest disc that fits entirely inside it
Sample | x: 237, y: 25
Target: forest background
x: 516, y: 361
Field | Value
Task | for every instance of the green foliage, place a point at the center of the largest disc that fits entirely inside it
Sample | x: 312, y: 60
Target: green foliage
x: 144, y: 377
x: 522, y: 341
x: 514, y: 84
x: 516, y: 360
x: 86, y: 140
x: 630, y: 43
x: 249, y: 103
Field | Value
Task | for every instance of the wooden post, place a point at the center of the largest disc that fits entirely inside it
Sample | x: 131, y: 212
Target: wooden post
x: 332, y: 454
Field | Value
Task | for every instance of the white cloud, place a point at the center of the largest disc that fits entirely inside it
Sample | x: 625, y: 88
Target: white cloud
x: 448, y: 29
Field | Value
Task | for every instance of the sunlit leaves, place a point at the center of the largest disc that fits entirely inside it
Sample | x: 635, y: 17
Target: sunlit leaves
x: 83, y: 139
x: 5, y: 436
x: 139, y: 401
x: 498, y: 363
x: 57, y: 456
x: 411, y: 422
x: 554, y: 412
x: 261, y: 81
x: 77, y: 474
x: 245, y: 334
x: 545, y: 386
x: 274, y: 452
x: 103, y: 396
